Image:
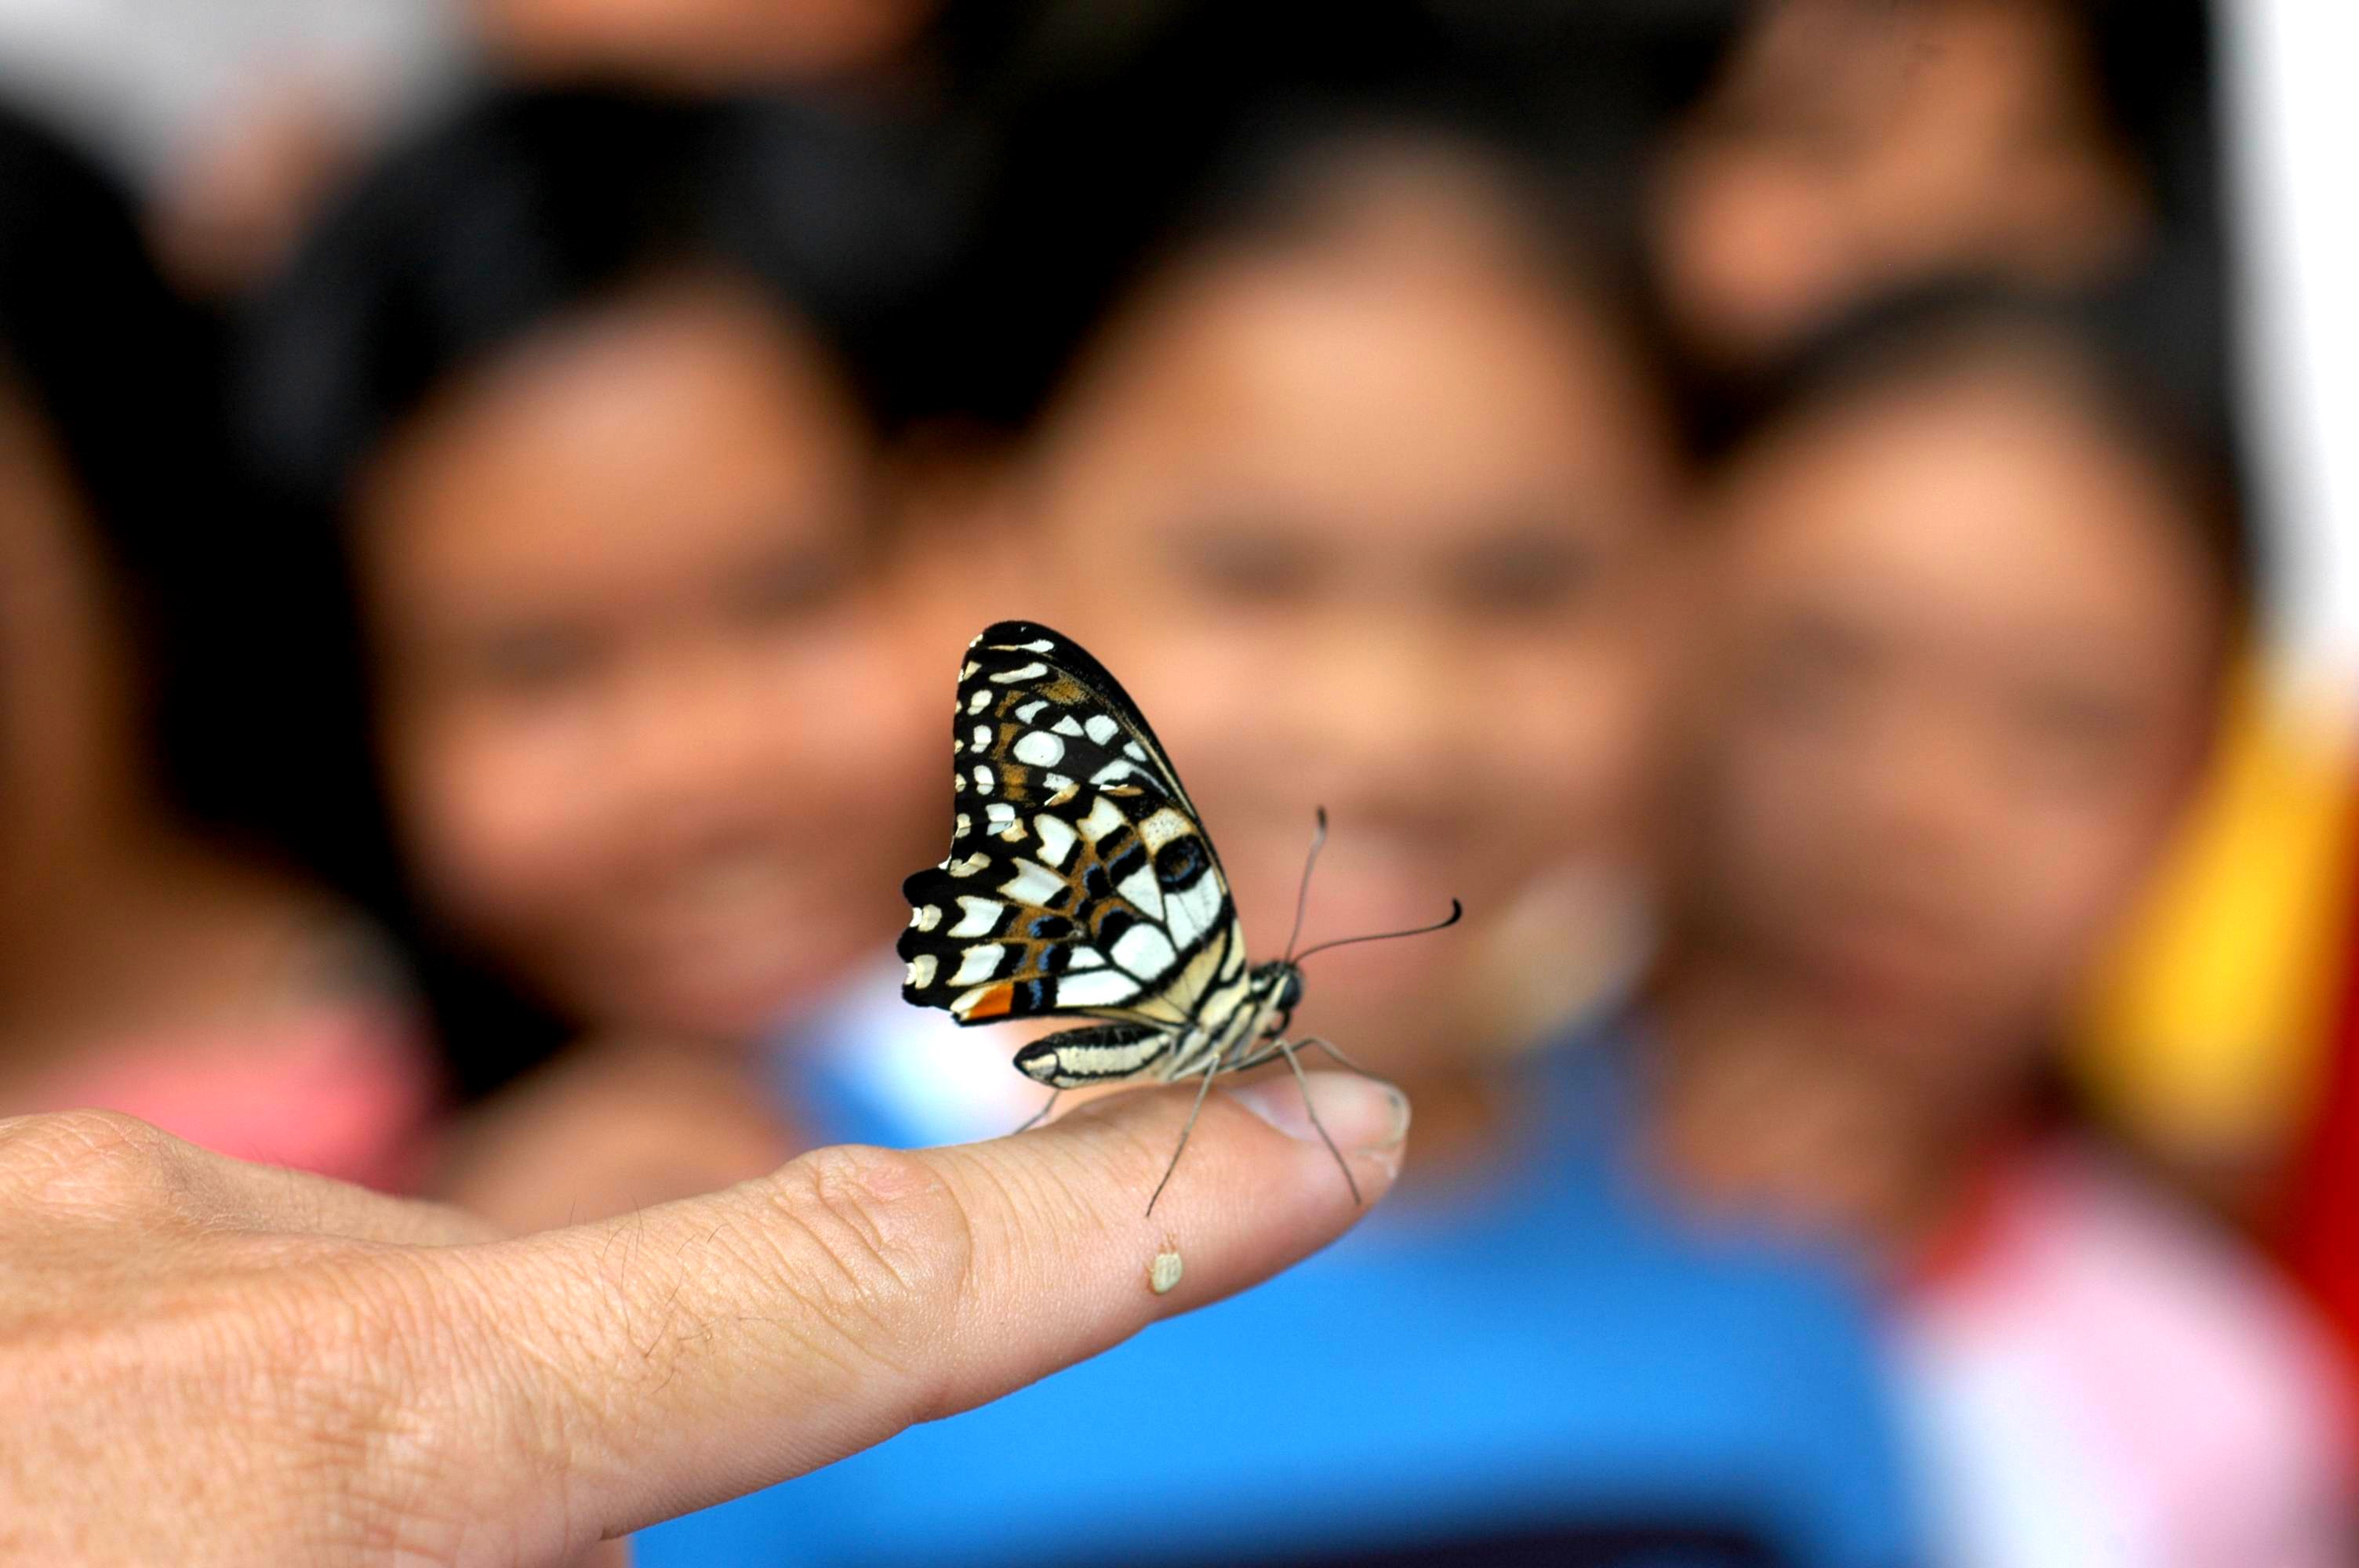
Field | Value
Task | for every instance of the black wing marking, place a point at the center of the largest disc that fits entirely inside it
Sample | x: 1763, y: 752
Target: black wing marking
x: 1079, y: 880
x: 1071, y: 677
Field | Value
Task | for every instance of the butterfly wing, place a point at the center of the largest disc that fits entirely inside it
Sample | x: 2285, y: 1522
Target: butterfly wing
x: 1079, y: 879
x: 1103, y: 737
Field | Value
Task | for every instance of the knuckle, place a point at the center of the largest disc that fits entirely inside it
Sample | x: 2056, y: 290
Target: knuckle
x: 93, y: 1157
x: 873, y: 1239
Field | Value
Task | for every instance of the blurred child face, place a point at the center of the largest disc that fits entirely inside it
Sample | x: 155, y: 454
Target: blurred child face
x: 1367, y: 522
x: 1854, y: 145
x: 645, y: 734
x: 1961, y: 652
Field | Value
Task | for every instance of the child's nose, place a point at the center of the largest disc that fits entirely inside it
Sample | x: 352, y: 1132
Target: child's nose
x: 698, y: 734
x: 1383, y: 712
x: 1919, y: 788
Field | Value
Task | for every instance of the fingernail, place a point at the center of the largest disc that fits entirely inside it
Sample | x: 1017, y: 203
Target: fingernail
x: 1361, y: 1115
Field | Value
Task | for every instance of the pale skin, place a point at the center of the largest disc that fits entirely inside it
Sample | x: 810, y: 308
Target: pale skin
x: 205, y: 1362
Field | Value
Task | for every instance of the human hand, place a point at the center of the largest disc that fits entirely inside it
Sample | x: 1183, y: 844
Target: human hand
x: 203, y: 1361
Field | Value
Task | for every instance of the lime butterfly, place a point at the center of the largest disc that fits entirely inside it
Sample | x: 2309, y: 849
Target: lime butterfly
x: 1080, y: 882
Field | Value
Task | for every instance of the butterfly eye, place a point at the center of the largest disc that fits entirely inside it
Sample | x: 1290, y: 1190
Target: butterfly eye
x: 1289, y: 995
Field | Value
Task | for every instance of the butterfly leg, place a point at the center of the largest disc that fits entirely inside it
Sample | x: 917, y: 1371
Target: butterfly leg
x: 1038, y: 1117
x: 1210, y: 1072
x: 1342, y: 1060
x: 1272, y: 1053
x: 1286, y: 1050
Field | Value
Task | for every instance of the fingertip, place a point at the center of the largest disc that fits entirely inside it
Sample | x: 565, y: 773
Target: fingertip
x: 1363, y: 1115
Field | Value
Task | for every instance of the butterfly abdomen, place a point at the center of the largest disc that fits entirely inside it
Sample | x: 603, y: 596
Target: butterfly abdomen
x: 1075, y: 1058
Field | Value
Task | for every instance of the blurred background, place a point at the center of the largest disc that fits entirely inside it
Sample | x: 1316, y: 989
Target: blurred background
x: 1829, y: 525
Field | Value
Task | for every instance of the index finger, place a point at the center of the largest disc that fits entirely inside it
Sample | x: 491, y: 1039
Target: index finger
x: 702, y: 1349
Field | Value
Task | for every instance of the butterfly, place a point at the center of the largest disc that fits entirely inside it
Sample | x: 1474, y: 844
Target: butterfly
x: 1081, y: 883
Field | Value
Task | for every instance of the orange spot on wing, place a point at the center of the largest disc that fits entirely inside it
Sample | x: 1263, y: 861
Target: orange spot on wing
x: 995, y: 1003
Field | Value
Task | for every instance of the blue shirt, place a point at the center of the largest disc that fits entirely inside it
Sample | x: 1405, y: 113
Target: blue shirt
x: 1544, y: 1366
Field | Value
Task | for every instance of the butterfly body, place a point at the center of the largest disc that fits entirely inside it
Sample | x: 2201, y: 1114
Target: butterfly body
x: 1237, y: 1014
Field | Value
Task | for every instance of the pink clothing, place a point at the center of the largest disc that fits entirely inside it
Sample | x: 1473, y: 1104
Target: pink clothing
x: 2099, y: 1381
x: 340, y: 1085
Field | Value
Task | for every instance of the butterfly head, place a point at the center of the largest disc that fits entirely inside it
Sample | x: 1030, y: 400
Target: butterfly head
x: 1278, y: 988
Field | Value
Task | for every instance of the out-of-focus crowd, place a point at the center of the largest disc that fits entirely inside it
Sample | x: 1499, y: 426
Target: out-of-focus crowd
x: 1746, y: 498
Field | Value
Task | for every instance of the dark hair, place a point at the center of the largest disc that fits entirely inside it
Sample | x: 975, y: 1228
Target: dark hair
x: 1923, y: 334
x: 1216, y: 126
x: 2151, y: 71
x: 521, y: 209
x: 118, y: 368
x: 531, y: 205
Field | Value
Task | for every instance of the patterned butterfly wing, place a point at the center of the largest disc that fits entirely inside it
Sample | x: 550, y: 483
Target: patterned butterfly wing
x: 1079, y: 880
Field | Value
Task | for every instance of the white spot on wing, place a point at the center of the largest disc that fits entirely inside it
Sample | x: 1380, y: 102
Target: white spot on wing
x: 1162, y: 828
x: 1023, y: 672
x: 981, y: 914
x: 1098, y: 987
x: 998, y: 814
x: 925, y: 919
x: 979, y: 962
x: 1068, y: 725
x: 1103, y: 818
x: 1032, y: 884
x: 1042, y: 646
x: 1145, y: 951
x: 980, y: 700
x: 1190, y: 912
x: 1086, y: 957
x: 1144, y: 895
x: 921, y: 971
x: 982, y: 779
x: 969, y: 866
x: 981, y: 738
x: 1040, y: 749
x: 1056, y: 838
x: 1102, y: 728
x: 1031, y: 709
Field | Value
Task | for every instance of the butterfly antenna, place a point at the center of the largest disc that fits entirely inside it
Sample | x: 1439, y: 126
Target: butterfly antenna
x: 1457, y: 911
x: 1302, y: 899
